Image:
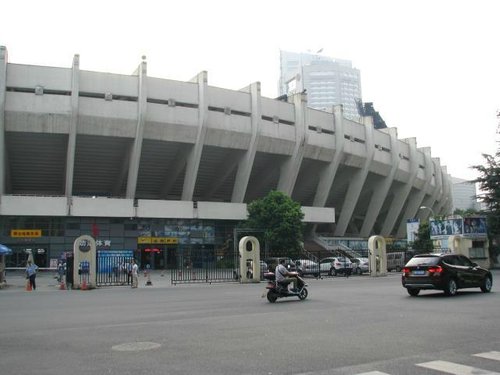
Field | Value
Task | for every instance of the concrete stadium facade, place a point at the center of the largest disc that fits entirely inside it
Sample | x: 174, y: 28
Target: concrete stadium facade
x: 78, y: 143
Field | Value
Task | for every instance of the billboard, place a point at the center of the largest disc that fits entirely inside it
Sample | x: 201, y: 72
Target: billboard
x: 446, y: 227
x: 475, y: 226
x: 467, y: 227
x: 412, y: 226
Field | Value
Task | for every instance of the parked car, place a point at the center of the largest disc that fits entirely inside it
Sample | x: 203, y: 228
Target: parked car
x: 307, y: 267
x: 335, y: 265
x: 395, y: 261
x: 446, y: 272
x: 360, y: 265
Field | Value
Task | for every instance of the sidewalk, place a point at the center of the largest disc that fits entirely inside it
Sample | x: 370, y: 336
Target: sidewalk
x: 47, y: 281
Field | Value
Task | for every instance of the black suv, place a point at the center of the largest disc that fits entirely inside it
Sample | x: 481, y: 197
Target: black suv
x: 446, y: 272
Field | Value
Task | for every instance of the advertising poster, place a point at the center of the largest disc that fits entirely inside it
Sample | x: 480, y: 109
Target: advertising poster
x: 446, y: 227
x: 412, y: 226
x: 474, y: 226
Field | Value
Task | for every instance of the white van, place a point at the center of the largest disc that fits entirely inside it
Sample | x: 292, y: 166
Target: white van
x: 395, y: 261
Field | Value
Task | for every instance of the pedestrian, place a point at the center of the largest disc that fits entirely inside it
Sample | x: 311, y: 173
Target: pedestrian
x: 135, y: 274
x: 31, y: 269
x: 61, y: 270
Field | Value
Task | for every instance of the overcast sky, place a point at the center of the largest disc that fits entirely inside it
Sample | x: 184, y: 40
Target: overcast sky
x: 431, y: 67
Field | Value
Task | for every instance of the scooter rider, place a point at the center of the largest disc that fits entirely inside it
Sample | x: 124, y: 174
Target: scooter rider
x: 285, y: 277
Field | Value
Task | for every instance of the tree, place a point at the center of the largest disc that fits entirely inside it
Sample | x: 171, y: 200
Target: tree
x: 280, y: 217
x: 489, y: 185
x: 423, y: 242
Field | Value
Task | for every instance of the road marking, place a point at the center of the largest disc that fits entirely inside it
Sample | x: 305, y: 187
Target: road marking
x: 489, y: 355
x: 136, y: 346
x: 455, y: 368
x: 374, y: 373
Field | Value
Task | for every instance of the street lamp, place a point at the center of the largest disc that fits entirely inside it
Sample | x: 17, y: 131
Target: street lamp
x: 428, y: 208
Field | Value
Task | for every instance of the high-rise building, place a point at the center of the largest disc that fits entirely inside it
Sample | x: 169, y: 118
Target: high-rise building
x: 464, y: 195
x: 327, y: 81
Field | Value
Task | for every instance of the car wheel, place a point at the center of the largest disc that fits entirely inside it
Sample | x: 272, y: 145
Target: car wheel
x: 451, y: 287
x: 303, y: 294
x: 271, y: 297
x: 487, y: 284
x: 358, y: 271
x: 413, y: 291
x: 333, y: 272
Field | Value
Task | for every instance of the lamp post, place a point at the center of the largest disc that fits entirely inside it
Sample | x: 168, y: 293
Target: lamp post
x: 428, y: 208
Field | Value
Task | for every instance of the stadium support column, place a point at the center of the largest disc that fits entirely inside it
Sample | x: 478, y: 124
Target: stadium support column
x: 401, y: 194
x: 416, y: 198
x: 327, y: 175
x: 444, y: 205
x: 194, y: 157
x: 246, y: 163
x: 358, y: 180
x: 290, y: 169
x: 3, y: 86
x: 135, y: 158
x: 438, y: 186
x: 73, y: 124
x: 382, y: 189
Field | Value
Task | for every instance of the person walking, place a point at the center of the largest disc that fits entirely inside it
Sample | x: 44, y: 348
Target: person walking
x: 31, y: 269
x: 135, y: 274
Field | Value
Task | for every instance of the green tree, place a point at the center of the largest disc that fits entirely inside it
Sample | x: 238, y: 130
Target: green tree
x: 489, y: 185
x: 280, y: 217
x: 423, y: 242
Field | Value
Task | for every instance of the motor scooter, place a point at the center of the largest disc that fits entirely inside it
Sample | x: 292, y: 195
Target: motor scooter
x: 275, y: 291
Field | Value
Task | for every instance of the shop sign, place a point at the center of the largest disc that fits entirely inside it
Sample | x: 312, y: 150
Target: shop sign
x: 106, y: 243
x: 158, y: 240
x: 25, y: 233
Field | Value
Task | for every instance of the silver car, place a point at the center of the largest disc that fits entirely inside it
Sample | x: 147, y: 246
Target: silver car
x: 307, y: 267
x: 335, y: 265
x: 360, y: 265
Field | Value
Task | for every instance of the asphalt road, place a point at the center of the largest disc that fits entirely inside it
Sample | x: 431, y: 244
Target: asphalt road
x: 346, y: 326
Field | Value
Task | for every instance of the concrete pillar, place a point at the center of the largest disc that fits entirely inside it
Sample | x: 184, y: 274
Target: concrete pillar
x: 3, y: 89
x: 377, y: 256
x: 249, y: 250
x: 290, y: 169
x: 357, y: 182
x: 246, y: 163
x: 73, y: 125
x: 327, y: 176
x: 135, y: 158
x: 84, y: 252
x: 445, y: 203
x: 381, y: 191
x: 438, y: 185
x: 449, y: 190
x: 417, y: 199
x: 401, y: 195
x: 194, y: 157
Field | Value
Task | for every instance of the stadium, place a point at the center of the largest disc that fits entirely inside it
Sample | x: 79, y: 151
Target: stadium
x: 141, y: 162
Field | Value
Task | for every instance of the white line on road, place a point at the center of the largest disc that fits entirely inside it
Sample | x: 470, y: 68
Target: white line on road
x: 455, y: 368
x: 489, y: 355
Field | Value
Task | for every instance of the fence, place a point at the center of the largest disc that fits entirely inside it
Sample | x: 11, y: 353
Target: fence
x: 114, y: 270
x: 206, y: 266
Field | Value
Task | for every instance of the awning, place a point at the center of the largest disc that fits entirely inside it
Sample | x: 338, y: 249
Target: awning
x: 4, y: 250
